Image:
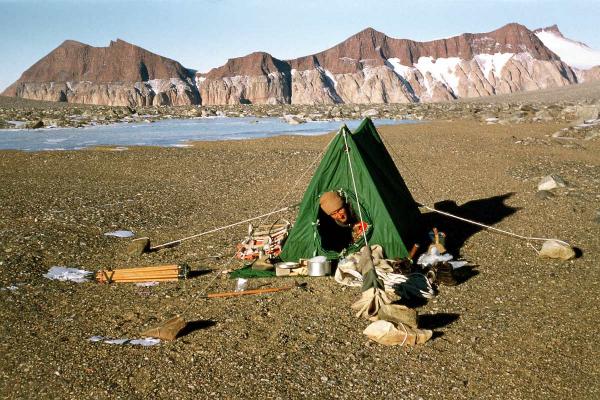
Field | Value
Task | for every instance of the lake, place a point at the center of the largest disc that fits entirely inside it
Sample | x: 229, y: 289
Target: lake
x: 166, y: 133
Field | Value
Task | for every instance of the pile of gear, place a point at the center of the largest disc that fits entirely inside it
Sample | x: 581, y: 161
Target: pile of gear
x: 264, y: 240
x: 385, y: 282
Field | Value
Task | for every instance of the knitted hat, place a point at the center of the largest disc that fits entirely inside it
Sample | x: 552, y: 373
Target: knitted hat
x: 331, y: 202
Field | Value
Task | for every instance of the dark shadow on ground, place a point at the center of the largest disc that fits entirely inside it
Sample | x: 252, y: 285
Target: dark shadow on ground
x: 413, y: 302
x: 465, y: 273
x: 436, y: 321
x: 437, y: 334
x: 193, y: 326
x: 200, y: 272
x: 488, y: 211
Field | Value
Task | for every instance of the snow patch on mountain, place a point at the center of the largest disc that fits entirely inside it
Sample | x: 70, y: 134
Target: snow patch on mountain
x: 492, y: 63
x: 575, y: 54
x: 441, y: 69
x: 401, y: 70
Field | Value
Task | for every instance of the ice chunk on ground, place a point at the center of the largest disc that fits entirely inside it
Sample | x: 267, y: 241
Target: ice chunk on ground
x: 67, y: 274
x: 120, y: 234
x: 116, y: 341
x: 146, y: 342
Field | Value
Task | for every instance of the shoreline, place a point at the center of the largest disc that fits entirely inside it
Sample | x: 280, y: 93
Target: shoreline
x: 174, y: 133
x: 545, y: 105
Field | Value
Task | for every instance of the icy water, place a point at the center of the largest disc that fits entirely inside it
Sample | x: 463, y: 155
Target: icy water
x: 166, y: 133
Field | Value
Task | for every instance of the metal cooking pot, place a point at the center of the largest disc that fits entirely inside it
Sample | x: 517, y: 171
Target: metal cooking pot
x: 319, y: 267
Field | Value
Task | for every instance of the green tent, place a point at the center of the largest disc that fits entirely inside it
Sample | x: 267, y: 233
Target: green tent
x: 385, y: 202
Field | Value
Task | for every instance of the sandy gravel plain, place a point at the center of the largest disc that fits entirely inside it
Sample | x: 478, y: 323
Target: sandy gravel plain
x: 519, y: 328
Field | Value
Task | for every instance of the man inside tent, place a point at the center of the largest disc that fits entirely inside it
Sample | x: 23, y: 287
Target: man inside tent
x: 339, y: 227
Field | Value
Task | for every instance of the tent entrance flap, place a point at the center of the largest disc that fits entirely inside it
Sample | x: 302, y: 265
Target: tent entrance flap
x: 392, y: 213
x: 334, y: 240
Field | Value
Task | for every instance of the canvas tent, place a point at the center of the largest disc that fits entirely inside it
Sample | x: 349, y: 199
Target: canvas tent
x: 385, y: 201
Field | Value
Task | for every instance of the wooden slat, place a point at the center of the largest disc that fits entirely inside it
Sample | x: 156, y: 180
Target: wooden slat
x: 141, y: 274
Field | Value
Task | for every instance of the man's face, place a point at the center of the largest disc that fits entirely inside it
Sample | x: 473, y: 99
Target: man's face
x: 340, y: 215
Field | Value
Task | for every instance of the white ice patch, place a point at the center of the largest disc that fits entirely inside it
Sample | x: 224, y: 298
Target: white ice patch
x: 120, y: 234
x: 67, y: 274
x: 147, y: 284
x: 433, y: 257
x: 136, y: 342
x: 441, y: 69
x: 525, y: 59
x: 328, y: 74
x: 156, y: 85
x: 116, y: 341
x: 145, y: 342
x: 401, y: 70
x: 575, y: 54
x: 199, y: 80
x: 492, y: 63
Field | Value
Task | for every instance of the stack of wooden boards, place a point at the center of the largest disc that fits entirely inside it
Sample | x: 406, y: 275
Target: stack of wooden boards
x: 160, y: 273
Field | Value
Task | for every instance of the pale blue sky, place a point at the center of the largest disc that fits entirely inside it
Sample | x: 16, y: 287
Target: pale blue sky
x: 203, y: 34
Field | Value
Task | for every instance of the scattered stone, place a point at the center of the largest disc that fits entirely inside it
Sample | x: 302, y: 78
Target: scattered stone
x: 138, y: 246
x: 587, y: 112
x: 555, y: 249
x: 35, y: 125
x: 551, y: 182
x: 544, y: 115
x: 293, y: 119
x: 544, y: 194
x: 370, y: 113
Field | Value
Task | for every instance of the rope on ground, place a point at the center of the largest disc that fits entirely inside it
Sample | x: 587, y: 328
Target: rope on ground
x: 492, y: 228
x: 204, y: 290
x: 160, y: 246
x: 414, y: 177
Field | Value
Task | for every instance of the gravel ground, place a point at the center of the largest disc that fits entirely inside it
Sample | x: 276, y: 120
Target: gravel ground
x: 520, y: 327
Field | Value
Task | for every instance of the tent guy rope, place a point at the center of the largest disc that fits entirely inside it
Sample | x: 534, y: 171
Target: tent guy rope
x: 347, y: 149
x: 447, y: 214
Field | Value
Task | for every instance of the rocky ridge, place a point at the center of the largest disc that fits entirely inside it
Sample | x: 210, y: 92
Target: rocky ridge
x: 367, y: 68
x: 573, y: 105
x: 120, y: 74
x: 371, y: 67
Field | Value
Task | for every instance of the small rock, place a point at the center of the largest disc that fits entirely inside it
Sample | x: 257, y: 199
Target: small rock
x: 293, y: 119
x: 585, y: 112
x: 551, y: 182
x: 35, y: 124
x: 555, y: 249
x: 370, y: 113
x: 138, y: 246
x: 544, y: 194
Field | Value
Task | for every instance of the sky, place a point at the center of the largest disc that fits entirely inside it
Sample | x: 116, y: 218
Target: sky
x: 204, y: 34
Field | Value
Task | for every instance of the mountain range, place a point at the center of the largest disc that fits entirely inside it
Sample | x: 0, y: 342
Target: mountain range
x: 368, y: 67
